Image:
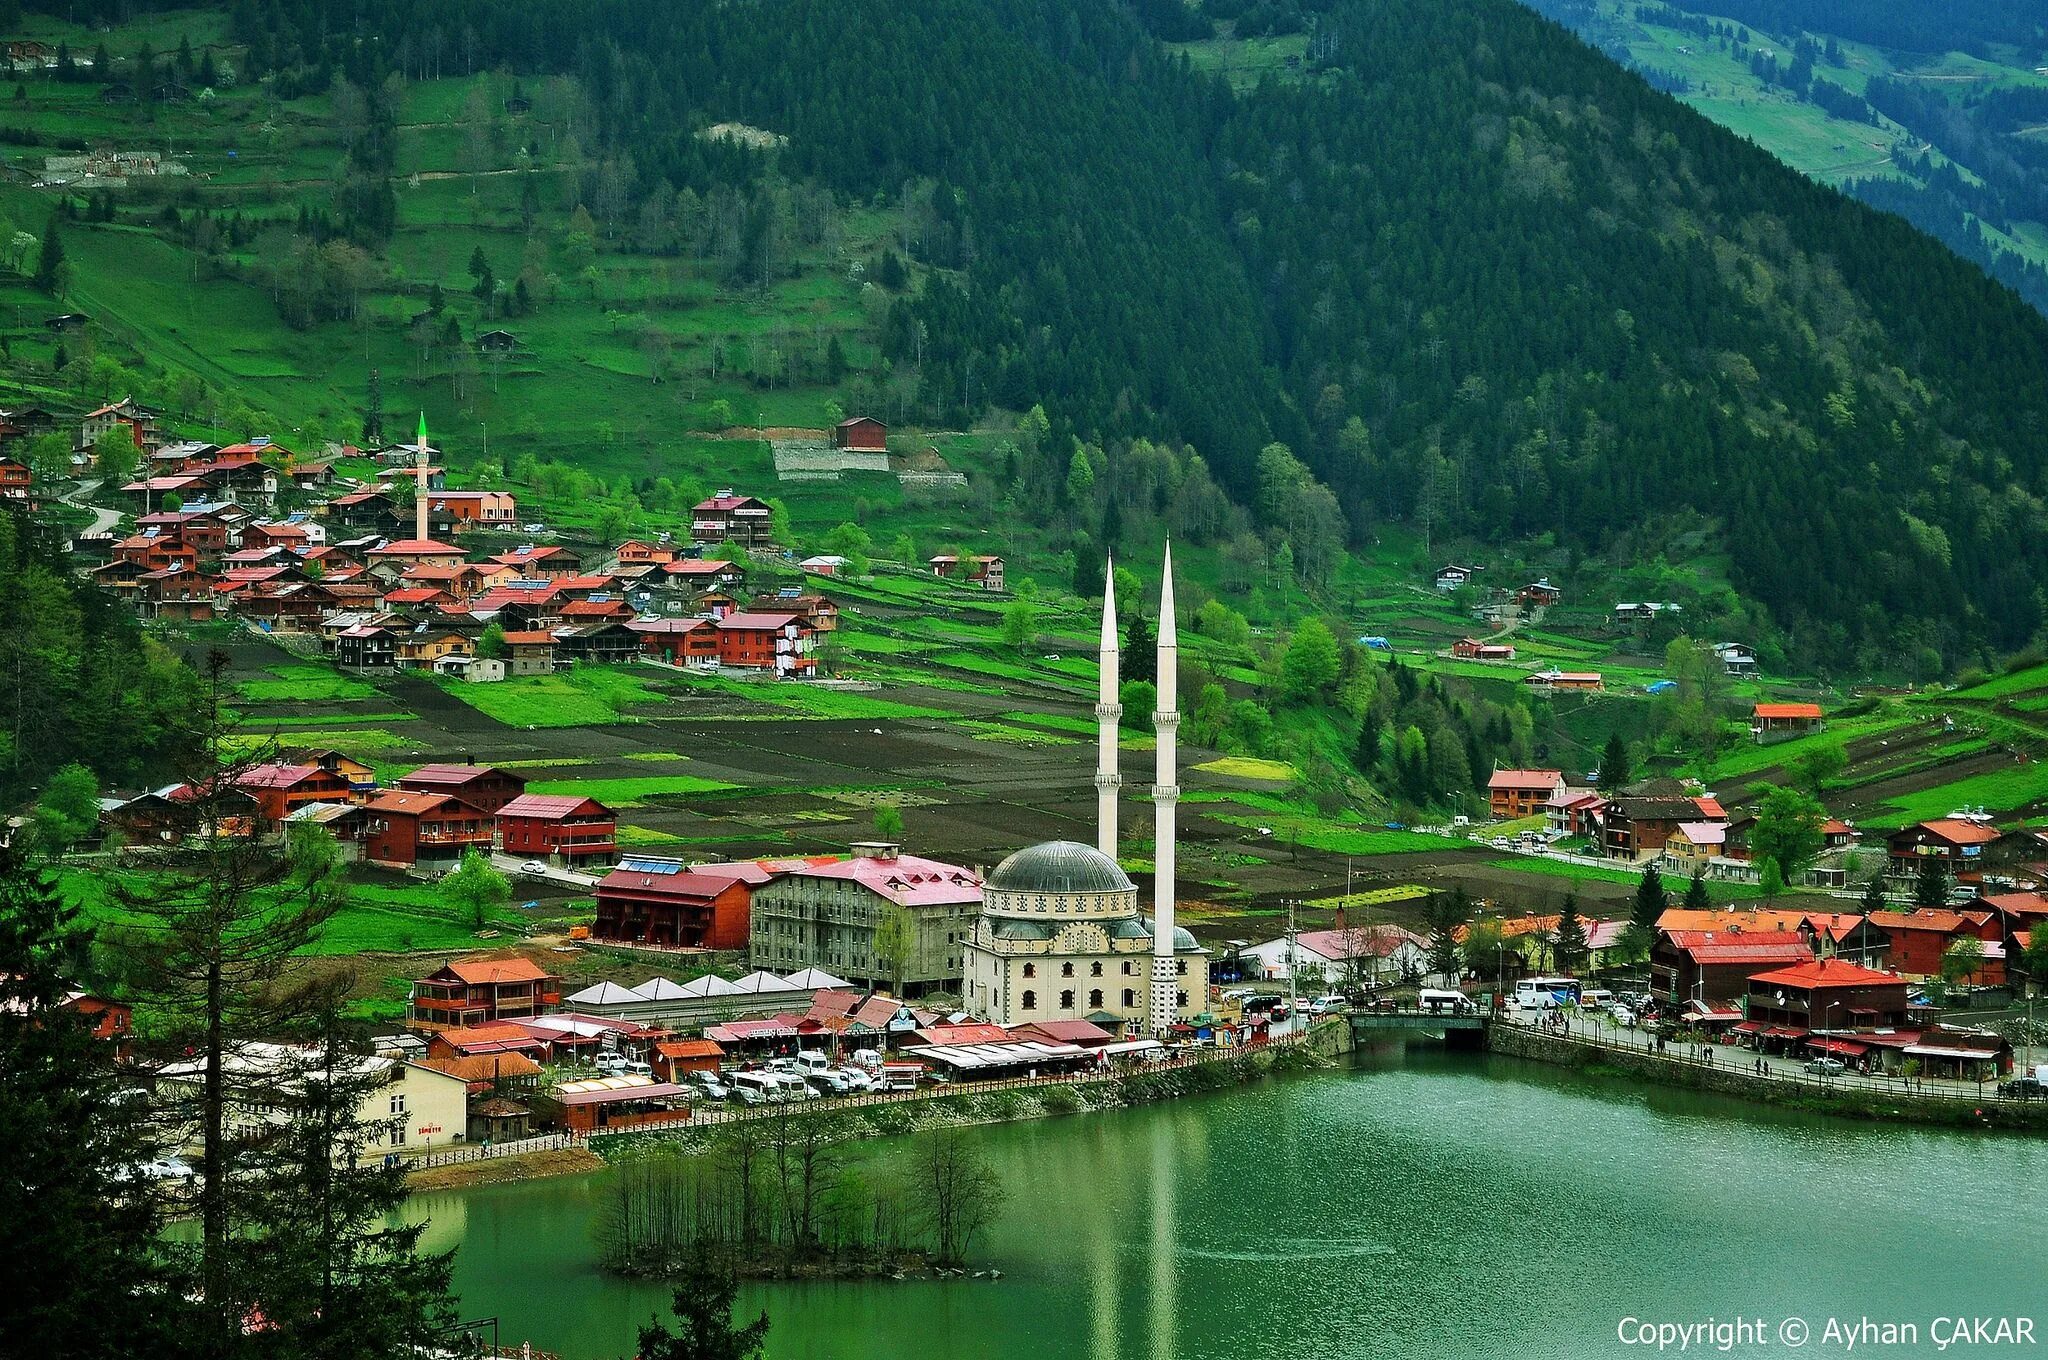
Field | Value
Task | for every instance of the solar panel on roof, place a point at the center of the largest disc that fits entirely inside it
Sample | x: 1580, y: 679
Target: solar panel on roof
x: 648, y: 865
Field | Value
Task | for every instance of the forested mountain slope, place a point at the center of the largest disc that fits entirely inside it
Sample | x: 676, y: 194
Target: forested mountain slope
x: 1476, y: 275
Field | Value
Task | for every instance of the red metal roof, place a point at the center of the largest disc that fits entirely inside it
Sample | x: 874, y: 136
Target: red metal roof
x: 1823, y: 973
x: 1525, y: 779
x: 480, y: 971
x: 548, y: 807
x: 1793, y: 711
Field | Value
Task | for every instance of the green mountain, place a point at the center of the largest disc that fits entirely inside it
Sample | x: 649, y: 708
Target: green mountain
x: 1482, y: 282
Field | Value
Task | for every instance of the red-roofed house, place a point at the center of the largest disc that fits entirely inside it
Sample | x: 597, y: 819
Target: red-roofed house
x: 529, y: 651
x: 480, y: 786
x: 664, y: 902
x: 984, y: 570
x: 545, y: 561
x: 824, y: 916
x: 1522, y: 793
x: 1472, y: 649
x: 863, y: 434
x: 403, y: 828
x: 1959, y: 843
x: 778, y: 642
x: 731, y: 518
x: 406, y: 552
x: 571, y: 830
x: 1716, y: 965
x: 278, y: 788
x: 1774, y: 722
x: 701, y: 573
x: 477, y: 991
x: 1825, y: 994
x: 679, y: 642
x: 1920, y: 938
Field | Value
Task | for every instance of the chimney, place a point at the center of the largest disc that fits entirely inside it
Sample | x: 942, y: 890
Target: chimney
x: 1340, y: 918
x: 884, y: 851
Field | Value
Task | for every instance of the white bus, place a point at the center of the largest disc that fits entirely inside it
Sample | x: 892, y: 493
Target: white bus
x: 1541, y: 993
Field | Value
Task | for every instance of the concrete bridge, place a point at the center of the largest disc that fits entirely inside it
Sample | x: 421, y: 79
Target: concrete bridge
x: 1467, y: 1030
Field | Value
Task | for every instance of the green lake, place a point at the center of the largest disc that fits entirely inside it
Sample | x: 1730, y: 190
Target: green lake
x: 1416, y: 1207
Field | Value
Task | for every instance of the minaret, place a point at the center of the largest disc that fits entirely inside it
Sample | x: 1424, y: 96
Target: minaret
x: 1107, y: 713
x: 1165, y: 794
x: 419, y: 499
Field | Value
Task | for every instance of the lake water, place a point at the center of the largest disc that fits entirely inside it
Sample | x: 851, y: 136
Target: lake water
x: 1420, y: 1206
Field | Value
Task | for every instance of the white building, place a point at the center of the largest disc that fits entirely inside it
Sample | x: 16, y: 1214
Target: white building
x: 1363, y: 955
x: 411, y: 1107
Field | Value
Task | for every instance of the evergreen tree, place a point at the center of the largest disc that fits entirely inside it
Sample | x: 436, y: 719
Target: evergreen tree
x: 1930, y: 884
x: 1140, y: 659
x: 1696, y: 898
x: 703, y: 1304
x: 1874, y: 893
x: 83, y: 1277
x: 1649, y: 902
x: 1367, y: 754
x: 1568, y: 946
x: 50, y: 257
x: 1614, y: 770
x: 1444, y: 914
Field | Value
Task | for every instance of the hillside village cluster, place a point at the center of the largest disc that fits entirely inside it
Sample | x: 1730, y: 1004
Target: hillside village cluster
x: 881, y: 967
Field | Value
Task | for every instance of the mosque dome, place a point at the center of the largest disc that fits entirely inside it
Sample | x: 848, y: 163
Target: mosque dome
x: 1059, y: 867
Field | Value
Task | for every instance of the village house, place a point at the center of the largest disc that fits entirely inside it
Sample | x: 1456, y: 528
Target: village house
x: 608, y: 642
x: 818, y: 611
x: 1638, y: 826
x: 277, y: 788
x: 396, y: 556
x: 1472, y: 649
x: 665, y: 903
x: 862, y: 434
x: 1453, y: 576
x: 175, y: 593
x: 455, y: 511
x: 984, y: 570
x: 825, y: 915
x: 1565, y: 680
x: 545, y: 562
x: 635, y: 552
x: 475, y: 991
x: 17, y: 481
x: 1959, y: 843
x: 1572, y: 812
x: 1345, y: 956
x: 1778, y: 722
x: 1824, y: 995
x: 433, y: 830
x: 366, y: 647
x: 1736, y: 659
x: 1692, y: 846
x: 529, y: 651
x: 705, y: 574
x: 782, y: 643
x: 1849, y: 935
x: 1919, y: 940
x: 481, y: 786
x: 1538, y: 595
x: 565, y: 829
x: 1513, y: 794
x: 1716, y: 964
x: 427, y: 648
x: 728, y: 517
x: 370, y: 510
x: 679, y: 642
x: 823, y: 564
x: 1650, y: 612
x: 410, y: 1108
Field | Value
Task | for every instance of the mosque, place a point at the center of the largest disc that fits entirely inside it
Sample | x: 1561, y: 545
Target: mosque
x: 1060, y: 936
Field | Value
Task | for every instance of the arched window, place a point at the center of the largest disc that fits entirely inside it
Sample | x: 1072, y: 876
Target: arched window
x: 1095, y: 969
x: 1066, y: 970
x: 1127, y: 967
x: 1181, y: 967
x: 1031, y: 1001
x: 1095, y: 1000
x: 1030, y: 970
x: 1180, y: 998
x: 1066, y: 1001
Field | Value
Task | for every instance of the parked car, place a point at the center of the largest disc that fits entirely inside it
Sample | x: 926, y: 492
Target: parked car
x: 712, y: 1085
x: 856, y: 1079
x: 2024, y: 1088
x: 1323, y: 1005
x: 1824, y: 1067
x: 533, y: 866
x: 1623, y: 1015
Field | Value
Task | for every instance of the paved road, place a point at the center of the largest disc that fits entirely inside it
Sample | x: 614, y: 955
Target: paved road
x: 103, y: 519
x: 567, y: 878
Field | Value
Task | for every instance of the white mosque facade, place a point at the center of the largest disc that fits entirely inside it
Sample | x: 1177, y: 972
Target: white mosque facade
x: 1060, y: 936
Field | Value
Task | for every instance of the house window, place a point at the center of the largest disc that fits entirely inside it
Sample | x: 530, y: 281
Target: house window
x: 1030, y: 970
x: 1095, y: 999
x: 1066, y: 1001
x: 398, y: 1133
x: 1066, y: 970
x: 1095, y: 969
x: 398, y: 1104
x: 1130, y: 998
x: 1031, y: 1001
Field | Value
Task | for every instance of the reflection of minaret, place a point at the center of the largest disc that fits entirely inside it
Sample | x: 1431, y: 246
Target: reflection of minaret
x: 1107, y: 712
x: 1165, y: 1252
x: 1165, y: 793
x: 419, y: 499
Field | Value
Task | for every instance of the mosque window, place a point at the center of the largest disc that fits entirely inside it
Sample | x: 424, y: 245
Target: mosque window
x: 1180, y: 998
x: 1030, y: 970
x: 1095, y: 969
x: 1031, y: 1001
x: 1182, y: 967
x: 1095, y: 999
x: 1066, y: 970
x: 1066, y: 1001
x: 1130, y: 998
x: 1127, y: 967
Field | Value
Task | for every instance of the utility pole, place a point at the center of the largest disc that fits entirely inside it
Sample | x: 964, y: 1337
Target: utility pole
x: 1293, y: 966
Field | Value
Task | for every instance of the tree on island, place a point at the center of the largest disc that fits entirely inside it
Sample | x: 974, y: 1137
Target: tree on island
x: 703, y: 1303
x: 956, y: 1192
x: 475, y: 888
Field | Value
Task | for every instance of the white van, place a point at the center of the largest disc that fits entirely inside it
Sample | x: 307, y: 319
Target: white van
x: 1438, y: 1001
x: 764, y: 1088
x: 811, y: 1061
x: 1597, y: 999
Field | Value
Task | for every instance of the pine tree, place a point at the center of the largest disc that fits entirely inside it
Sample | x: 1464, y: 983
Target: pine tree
x: 1445, y: 913
x: 1649, y: 903
x: 703, y: 1307
x: 1568, y: 946
x: 83, y: 1278
x: 1696, y: 898
x: 1930, y: 885
x: 50, y: 258
x: 1140, y: 656
x: 1874, y: 893
x: 1614, y: 770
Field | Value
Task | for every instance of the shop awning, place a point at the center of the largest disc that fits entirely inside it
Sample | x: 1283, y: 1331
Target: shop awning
x: 1841, y: 1046
x: 1748, y: 1027
x: 1784, y: 1032
x: 1937, y: 1051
